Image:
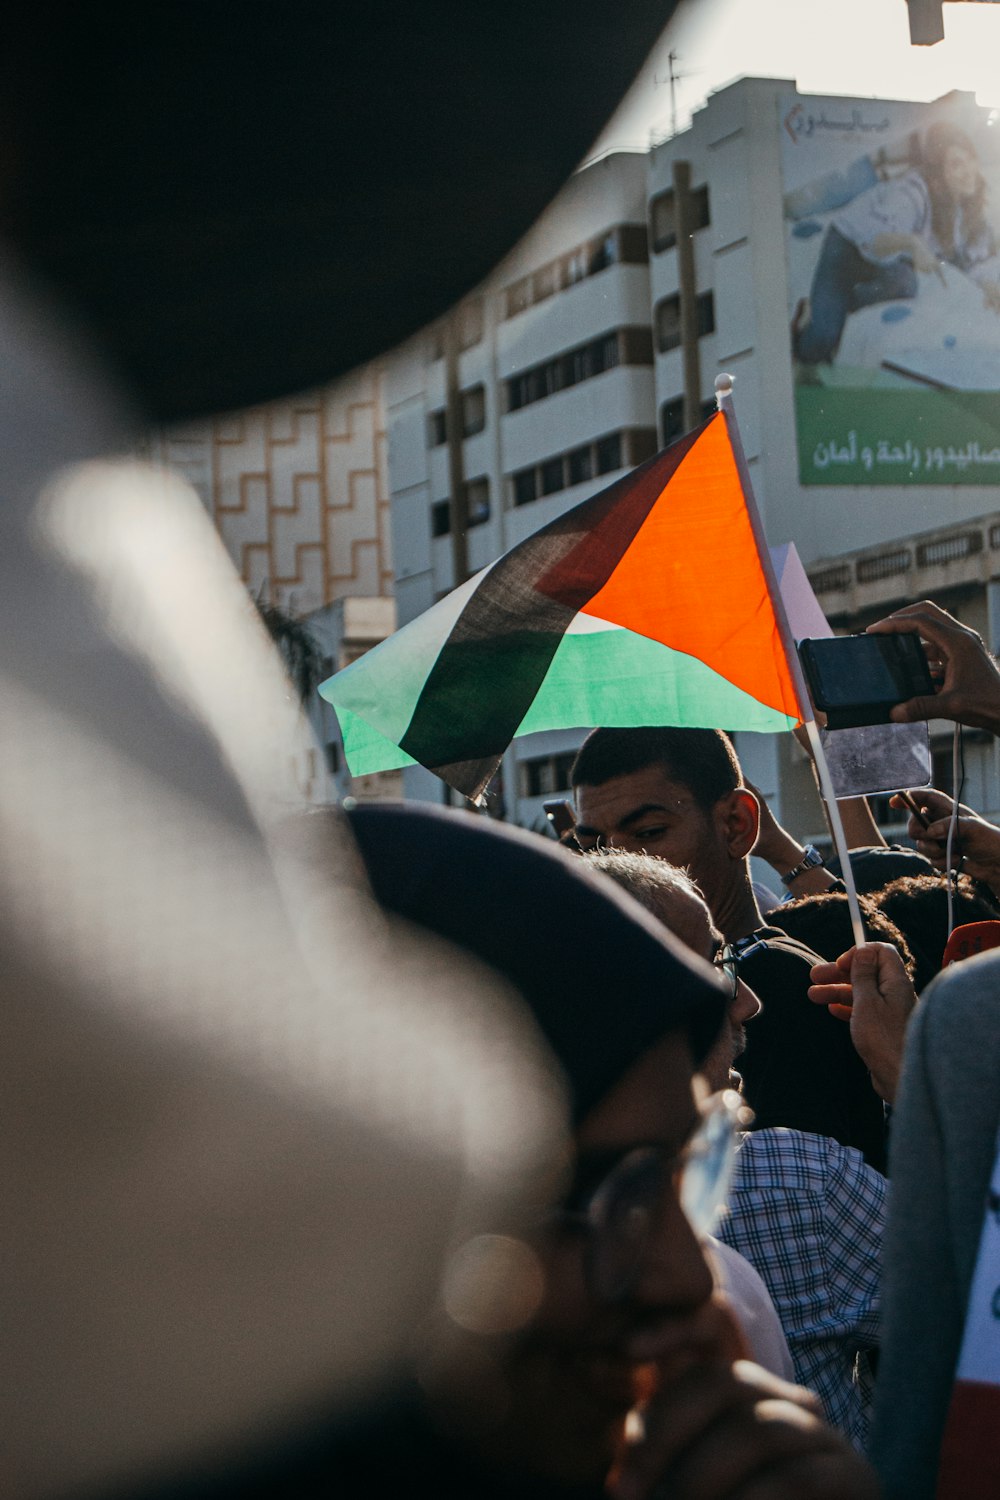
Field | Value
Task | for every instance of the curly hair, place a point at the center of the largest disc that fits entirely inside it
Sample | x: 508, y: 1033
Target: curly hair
x: 941, y: 137
x: 918, y: 904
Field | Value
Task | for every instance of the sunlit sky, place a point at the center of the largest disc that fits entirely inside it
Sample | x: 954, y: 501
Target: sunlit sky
x: 857, y: 47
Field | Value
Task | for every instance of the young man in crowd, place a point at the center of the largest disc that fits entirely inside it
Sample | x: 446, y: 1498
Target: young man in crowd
x: 679, y: 794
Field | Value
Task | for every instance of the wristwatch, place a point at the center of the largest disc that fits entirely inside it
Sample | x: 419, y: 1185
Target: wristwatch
x: 811, y: 860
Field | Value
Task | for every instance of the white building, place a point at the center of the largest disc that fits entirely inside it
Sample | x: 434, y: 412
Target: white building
x: 548, y: 371
x: 602, y: 335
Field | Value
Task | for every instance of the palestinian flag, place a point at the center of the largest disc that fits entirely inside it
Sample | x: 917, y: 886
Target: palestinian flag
x: 646, y: 604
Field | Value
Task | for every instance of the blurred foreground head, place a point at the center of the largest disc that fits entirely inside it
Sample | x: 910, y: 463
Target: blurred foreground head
x: 239, y: 206
x: 212, y: 1057
x: 601, y: 980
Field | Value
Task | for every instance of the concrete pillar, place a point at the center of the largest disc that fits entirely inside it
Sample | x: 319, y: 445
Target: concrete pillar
x: 688, y: 292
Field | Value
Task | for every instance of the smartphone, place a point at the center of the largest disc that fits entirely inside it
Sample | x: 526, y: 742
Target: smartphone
x: 857, y: 679
x: 560, y: 815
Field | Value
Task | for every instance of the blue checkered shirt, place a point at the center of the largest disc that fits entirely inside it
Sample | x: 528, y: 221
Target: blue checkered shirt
x: 808, y: 1213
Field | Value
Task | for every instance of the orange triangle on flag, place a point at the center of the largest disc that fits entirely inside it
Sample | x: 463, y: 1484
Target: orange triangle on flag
x: 692, y: 577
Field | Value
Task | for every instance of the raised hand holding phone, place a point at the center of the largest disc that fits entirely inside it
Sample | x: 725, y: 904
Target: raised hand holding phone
x: 859, y: 679
x: 967, y: 687
x: 976, y: 843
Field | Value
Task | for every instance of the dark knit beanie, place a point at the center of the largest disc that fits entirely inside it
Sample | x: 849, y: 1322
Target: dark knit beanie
x: 603, y: 980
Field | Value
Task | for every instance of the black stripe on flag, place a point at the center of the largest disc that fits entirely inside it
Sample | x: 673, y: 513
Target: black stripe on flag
x: 502, y: 644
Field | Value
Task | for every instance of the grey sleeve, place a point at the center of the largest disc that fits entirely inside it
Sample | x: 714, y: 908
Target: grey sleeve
x: 941, y: 1155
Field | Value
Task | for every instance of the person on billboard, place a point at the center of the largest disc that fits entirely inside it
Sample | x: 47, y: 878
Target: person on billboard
x: 878, y: 246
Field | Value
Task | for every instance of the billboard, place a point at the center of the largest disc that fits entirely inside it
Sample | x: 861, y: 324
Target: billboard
x: 892, y: 232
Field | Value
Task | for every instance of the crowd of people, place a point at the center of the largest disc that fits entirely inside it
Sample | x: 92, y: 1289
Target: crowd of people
x: 751, y: 1275
x: 854, y: 1071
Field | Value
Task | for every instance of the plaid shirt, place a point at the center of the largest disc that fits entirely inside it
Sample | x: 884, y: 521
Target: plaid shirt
x: 808, y: 1214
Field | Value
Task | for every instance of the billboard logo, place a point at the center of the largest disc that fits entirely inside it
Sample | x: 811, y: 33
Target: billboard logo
x: 801, y: 123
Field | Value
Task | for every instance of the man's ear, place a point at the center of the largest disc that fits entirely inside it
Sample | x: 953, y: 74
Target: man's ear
x: 739, y: 814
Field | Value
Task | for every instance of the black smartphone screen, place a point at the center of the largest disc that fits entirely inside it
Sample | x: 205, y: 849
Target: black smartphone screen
x: 856, y: 679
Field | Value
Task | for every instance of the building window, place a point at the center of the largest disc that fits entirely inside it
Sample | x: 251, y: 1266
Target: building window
x: 624, y: 242
x: 668, y: 323
x: 525, y: 486
x: 470, y: 323
x: 552, y: 476
x: 616, y: 450
x: 573, y: 267
x: 477, y: 501
x: 473, y: 410
x: 604, y: 354
x: 477, y: 508
x: 633, y: 244
x: 547, y: 775
x: 672, y: 417
x: 637, y: 346
x: 609, y: 453
x: 663, y: 217
x: 581, y: 464
x: 668, y: 320
x: 543, y: 283
x: 437, y: 428
x: 672, y: 420
x: 602, y: 254
x: 663, y: 220
x: 332, y: 752
x: 630, y: 346
x: 517, y: 297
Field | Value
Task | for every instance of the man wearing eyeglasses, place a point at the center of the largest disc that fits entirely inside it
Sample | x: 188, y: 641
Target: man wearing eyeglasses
x: 629, y: 1375
x: 679, y: 794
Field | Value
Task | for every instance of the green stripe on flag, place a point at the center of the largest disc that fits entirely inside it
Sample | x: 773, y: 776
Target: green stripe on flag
x: 365, y: 749
x: 597, y: 676
x: 620, y: 679
x: 376, y: 695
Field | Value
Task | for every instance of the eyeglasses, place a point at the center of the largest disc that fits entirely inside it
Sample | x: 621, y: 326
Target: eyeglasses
x: 620, y: 1214
x: 729, y: 956
x: 746, y: 947
x: 727, y: 961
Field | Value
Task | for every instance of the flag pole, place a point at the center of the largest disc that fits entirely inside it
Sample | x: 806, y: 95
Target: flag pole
x: 724, y: 399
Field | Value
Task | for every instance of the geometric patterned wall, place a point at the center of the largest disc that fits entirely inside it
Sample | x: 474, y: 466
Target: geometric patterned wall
x: 298, y: 490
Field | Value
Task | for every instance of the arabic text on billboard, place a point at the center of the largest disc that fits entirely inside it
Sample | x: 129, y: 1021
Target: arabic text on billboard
x: 892, y: 219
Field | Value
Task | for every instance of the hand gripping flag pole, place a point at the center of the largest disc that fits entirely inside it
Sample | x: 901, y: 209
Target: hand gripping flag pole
x: 724, y: 399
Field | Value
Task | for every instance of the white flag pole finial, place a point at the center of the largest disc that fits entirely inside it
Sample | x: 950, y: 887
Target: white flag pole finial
x: 724, y: 399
